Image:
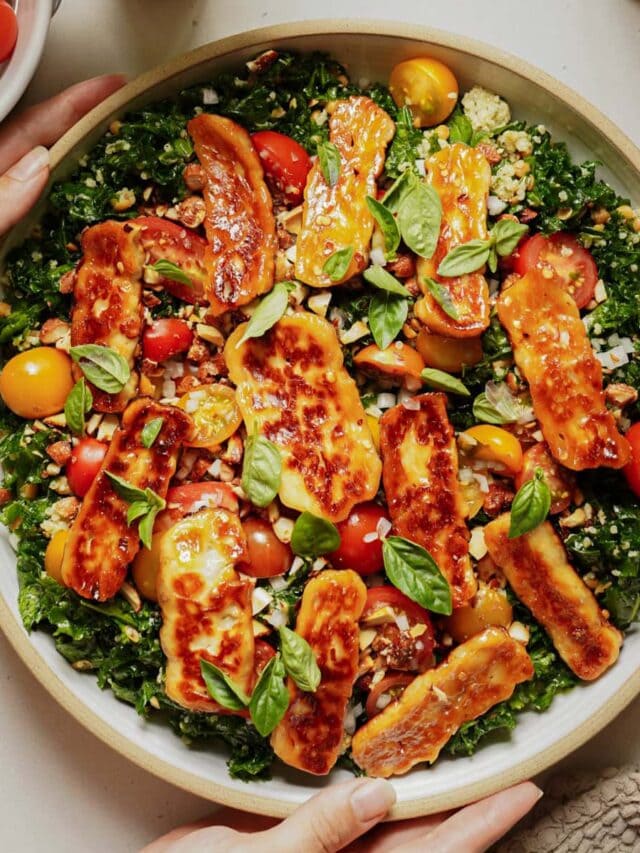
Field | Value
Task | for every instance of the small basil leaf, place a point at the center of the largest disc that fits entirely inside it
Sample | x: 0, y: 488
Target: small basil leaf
x: 136, y: 510
x: 460, y: 128
x: 102, y: 366
x: 383, y: 280
x: 412, y: 569
x: 337, y: 264
x: 387, y: 315
x: 150, y: 431
x: 76, y: 406
x: 270, y: 698
x: 465, y: 258
x: 530, y: 506
x: 130, y: 493
x: 486, y: 412
x: 313, y: 536
x: 506, y: 234
x: 444, y: 381
x: 145, y: 527
x: 171, y: 271
x: 442, y: 295
x: 419, y: 219
x: 407, y: 181
x: 261, y: 470
x: 221, y: 688
x: 492, y: 263
x: 387, y: 224
x: 299, y: 660
x: 267, y: 314
x: 330, y: 160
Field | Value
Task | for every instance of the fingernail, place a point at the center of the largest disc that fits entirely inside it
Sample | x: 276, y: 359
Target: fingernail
x: 372, y: 799
x: 540, y: 793
x: 29, y: 166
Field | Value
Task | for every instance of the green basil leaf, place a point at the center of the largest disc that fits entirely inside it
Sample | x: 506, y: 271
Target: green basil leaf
x: 486, y: 412
x: 442, y: 295
x: 383, y: 280
x: 387, y: 224
x: 102, y: 366
x: 419, y: 219
x: 412, y: 569
x: 330, y: 160
x: 171, y: 271
x: 444, y: 381
x: 136, y: 510
x: 460, y: 128
x: 313, y: 536
x: 299, y: 660
x: 403, y: 185
x: 270, y: 698
x: 261, y: 470
x: 150, y: 431
x: 492, y: 261
x: 130, y: 493
x: 267, y: 314
x: 530, y: 506
x: 499, y: 403
x: 76, y: 406
x: 221, y: 688
x: 337, y: 264
x: 506, y: 234
x: 387, y: 314
x: 465, y: 258
x: 145, y: 527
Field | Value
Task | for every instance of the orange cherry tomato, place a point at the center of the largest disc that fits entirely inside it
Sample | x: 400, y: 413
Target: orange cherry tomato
x: 448, y: 354
x: 86, y: 460
x: 54, y: 554
x: 36, y: 383
x: 572, y: 264
x: 268, y: 556
x: 496, y: 445
x: 165, y: 338
x: 214, y: 411
x: 360, y: 546
x: 8, y: 31
x: 146, y: 566
x: 427, y: 86
x: 398, y: 360
x: 285, y: 162
x: 489, y: 607
x: 561, y: 482
x: 392, y: 687
x: 632, y: 468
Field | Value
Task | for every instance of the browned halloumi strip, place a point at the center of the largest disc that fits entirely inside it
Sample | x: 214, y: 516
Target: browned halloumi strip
x: 206, y: 606
x: 107, y: 307
x: 337, y: 217
x: 420, y: 475
x: 239, y: 224
x: 551, y: 348
x: 101, y: 544
x: 537, y: 569
x: 476, y: 676
x: 310, y: 735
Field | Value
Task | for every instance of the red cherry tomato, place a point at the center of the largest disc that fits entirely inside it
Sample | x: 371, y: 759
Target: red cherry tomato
x: 168, y: 241
x: 389, y: 596
x: 184, y: 500
x: 8, y: 31
x: 165, y: 338
x: 360, y: 546
x: 285, y: 162
x: 86, y: 461
x: 399, y: 648
x: 391, y: 686
x: 262, y: 655
x: 632, y: 468
x: 268, y: 556
x: 572, y: 263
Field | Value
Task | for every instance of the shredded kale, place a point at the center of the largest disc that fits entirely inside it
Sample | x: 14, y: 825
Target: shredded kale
x: 403, y: 151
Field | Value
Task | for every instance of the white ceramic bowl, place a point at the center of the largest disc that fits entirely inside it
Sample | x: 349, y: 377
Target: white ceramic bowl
x: 369, y: 49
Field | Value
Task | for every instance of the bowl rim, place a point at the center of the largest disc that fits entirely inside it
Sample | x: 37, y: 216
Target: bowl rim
x: 252, y: 800
x: 26, y: 69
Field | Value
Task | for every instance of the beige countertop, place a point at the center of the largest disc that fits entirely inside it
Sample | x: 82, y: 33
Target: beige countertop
x: 61, y: 789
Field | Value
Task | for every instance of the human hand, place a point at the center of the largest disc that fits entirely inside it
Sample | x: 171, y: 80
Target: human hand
x: 25, y: 138
x: 334, y: 819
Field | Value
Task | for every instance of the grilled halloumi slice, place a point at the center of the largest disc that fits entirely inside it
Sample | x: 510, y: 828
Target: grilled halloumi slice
x: 293, y: 389
x: 337, y: 217
x: 311, y: 733
x: 476, y: 676
x: 239, y: 224
x: 420, y: 475
x: 107, y: 307
x: 206, y: 606
x: 551, y: 348
x: 101, y: 544
x: 461, y: 176
x: 537, y: 569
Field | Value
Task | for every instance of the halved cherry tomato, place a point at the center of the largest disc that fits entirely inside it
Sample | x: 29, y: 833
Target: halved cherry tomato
x: 448, y: 354
x: 36, y: 383
x: 263, y: 653
x: 165, y: 240
x: 572, y: 264
x: 165, y: 338
x: 268, y: 556
x: 86, y: 461
x: 285, y: 162
x: 397, y: 360
x: 214, y: 411
x: 360, y: 546
x: 187, y: 499
x: 561, y: 482
x: 146, y: 566
x: 388, y: 596
x: 391, y: 686
x: 488, y: 607
x: 8, y: 31
x: 632, y: 468
x: 398, y: 649
x: 427, y: 87
x: 496, y: 445
x: 54, y: 554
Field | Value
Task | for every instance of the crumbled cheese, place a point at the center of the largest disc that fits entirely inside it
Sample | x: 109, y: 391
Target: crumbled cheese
x: 485, y: 110
x: 613, y: 358
x: 495, y: 205
x: 209, y: 96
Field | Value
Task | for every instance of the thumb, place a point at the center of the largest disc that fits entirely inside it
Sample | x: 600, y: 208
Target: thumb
x: 21, y: 186
x: 332, y: 819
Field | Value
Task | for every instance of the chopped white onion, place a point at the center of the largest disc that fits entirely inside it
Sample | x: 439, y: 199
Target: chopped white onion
x: 210, y: 96
x: 370, y: 537
x: 260, y: 599
x: 420, y: 167
x: 383, y: 527
x: 374, y: 411
x: 482, y: 481
x: 377, y: 257
x: 412, y: 404
x: 465, y: 475
x: 386, y: 400
x: 278, y: 583
x: 401, y: 621
x: 495, y: 205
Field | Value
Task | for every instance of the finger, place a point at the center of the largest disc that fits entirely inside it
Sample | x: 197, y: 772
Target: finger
x: 390, y: 836
x: 45, y: 123
x: 21, y: 186
x: 475, y: 828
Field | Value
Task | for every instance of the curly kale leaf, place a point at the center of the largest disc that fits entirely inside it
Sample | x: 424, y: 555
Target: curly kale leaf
x: 403, y: 151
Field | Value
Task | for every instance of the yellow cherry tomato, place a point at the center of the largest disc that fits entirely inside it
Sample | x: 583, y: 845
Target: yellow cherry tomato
x: 145, y: 568
x: 448, y: 354
x: 489, y: 607
x: 214, y: 411
x: 54, y: 554
x: 36, y: 383
x: 427, y: 87
x: 396, y: 360
x: 374, y: 428
x: 496, y: 445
